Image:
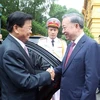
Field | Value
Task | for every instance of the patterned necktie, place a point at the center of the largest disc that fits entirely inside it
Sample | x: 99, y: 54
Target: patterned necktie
x: 26, y: 50
x: 52, y: 42
x: 69, y: 52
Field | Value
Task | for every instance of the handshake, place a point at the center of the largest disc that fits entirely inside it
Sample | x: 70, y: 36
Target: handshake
x: 52, y: 73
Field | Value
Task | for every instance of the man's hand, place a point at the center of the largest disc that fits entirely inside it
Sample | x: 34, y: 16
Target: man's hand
x: 52, y: 73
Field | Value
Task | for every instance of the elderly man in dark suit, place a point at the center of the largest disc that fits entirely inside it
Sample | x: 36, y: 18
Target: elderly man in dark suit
x: 18, y: 79
x: 80, y: 67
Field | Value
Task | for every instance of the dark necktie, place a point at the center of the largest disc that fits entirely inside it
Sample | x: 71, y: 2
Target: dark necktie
x: 52, y: 42
x: 69, y: 52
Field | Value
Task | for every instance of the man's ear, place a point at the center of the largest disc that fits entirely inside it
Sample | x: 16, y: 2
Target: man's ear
x: 15, y: 28
x: 76, y: 25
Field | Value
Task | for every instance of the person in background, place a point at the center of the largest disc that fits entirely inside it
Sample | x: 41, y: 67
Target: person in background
x: 18, y: 78
x: 53, y: 44
x: 1, y: 39
x: 80, y: 66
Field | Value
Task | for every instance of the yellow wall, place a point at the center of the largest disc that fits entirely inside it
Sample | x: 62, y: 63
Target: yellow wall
x: 95, y: 2
x: 91, y: 12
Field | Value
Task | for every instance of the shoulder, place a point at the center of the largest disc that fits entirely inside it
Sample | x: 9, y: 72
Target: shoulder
x: 63, y: 41
x: 43, y: 39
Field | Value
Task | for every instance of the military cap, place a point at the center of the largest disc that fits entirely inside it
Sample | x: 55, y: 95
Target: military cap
x: 53, y: 22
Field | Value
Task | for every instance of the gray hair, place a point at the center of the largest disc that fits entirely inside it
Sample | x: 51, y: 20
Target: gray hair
x: 75, y: 18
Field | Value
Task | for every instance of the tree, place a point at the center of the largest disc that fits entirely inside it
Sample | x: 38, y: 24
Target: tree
x: 34, y: 7
x: 87, y: 31
x: 38, y: 9
x: 9, y: 6
x: 3, y: 22
x: 72, y: 10
x: 57, y: 11
x: 38, y: 28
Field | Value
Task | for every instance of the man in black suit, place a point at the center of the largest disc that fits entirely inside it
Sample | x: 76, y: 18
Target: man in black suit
x: 18, y: 79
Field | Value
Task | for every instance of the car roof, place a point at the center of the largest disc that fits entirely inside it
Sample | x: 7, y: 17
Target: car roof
x: 35, y: 38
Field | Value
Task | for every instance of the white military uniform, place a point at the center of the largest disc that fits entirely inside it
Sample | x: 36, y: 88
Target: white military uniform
x: 58, y: 50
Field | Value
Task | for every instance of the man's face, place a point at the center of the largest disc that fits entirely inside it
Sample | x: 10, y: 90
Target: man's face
x: 69, y: 29
x: 52, y: 32
x: 23, y: 33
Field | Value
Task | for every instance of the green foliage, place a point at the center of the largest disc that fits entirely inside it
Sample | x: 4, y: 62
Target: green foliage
x: 64, y: 38
x: 9, y: 6
x: 38, y: 29
x: 87, y: 31
x: 57, y: 11
x: 3, y: 22
x: 37, y: 8
x: 72, y: 10
x: 33, y: 7
x: 4, y: 33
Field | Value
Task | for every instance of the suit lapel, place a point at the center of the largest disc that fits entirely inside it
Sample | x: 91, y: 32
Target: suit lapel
x: 21, y: 49
x: 66, y: 54
x: 75, y: 51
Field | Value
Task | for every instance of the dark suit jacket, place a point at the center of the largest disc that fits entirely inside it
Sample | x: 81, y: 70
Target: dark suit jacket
x: 80, y: 76
x: 19, y: 81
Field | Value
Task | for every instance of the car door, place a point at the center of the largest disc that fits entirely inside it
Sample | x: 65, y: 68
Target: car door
x: 45, y: 58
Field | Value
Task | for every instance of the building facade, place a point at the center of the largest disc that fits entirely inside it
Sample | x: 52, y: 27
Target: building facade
x: 91, y: 12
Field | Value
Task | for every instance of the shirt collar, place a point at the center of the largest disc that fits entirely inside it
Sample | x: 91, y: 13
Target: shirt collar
x: 78, y: 38
x: 20, y: 42
x: 51, y: 39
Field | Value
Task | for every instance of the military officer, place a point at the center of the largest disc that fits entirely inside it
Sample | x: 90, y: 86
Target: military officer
x: 53, y: 44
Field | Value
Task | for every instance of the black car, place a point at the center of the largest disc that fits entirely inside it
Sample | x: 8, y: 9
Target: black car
x: 47, y: 91
x: 35, y: 38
